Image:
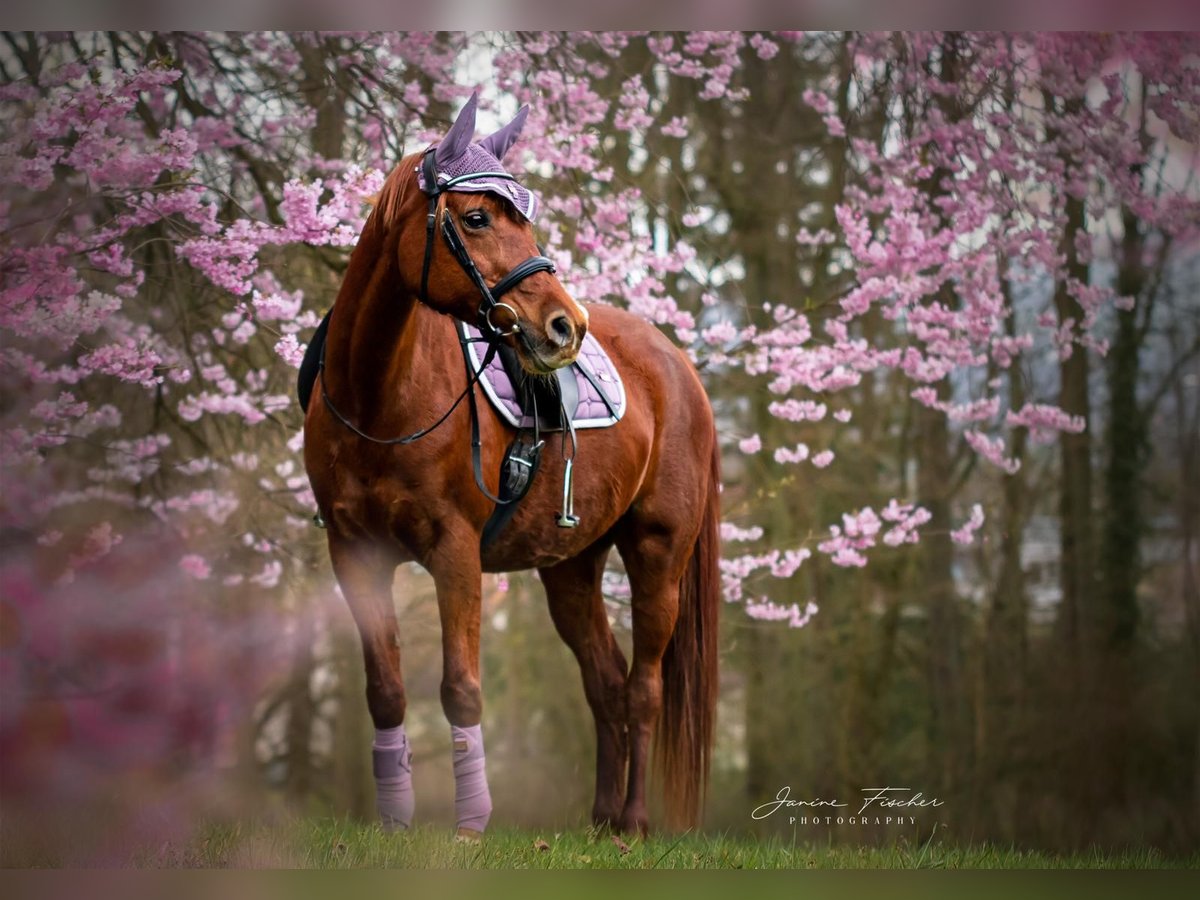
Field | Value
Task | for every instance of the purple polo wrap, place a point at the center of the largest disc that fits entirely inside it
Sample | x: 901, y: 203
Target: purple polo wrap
x: 392, y: 764
x: 472, y: 799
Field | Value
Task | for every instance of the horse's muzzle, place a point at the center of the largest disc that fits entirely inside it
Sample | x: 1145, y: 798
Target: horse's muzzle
x: 557, y: 349
x: 560, y: 332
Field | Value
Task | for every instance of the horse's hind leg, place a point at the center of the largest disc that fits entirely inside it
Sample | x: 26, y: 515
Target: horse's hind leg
x: 577, y: 608
x: 364, y: 571
x: 655, y: 552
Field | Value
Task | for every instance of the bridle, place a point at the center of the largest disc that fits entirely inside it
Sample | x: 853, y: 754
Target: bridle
x: 490, y: 302
x: 491, y: 295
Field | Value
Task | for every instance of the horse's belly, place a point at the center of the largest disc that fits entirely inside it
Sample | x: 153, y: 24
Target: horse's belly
x: 533, y: 545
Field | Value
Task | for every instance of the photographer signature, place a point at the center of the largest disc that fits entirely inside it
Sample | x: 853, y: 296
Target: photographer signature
x: 881, y: 797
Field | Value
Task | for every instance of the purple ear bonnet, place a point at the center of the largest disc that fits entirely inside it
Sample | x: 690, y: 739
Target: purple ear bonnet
x: 456, y: 156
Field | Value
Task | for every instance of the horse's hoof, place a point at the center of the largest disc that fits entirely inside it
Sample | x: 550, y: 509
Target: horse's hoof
x: 605, y: 823
x: 468, y: 836
x: 635, y: 825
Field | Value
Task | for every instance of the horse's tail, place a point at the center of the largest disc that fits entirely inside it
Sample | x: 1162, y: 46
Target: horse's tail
x: 689, y: 671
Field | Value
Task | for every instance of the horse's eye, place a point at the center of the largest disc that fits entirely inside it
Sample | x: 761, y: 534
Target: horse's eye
x: 477, y: 219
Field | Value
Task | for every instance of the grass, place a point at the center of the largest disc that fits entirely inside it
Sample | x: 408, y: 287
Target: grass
x: 337, y: 844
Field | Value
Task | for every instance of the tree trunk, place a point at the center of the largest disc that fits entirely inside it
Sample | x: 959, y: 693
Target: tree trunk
x: 1003, y: 713
x: 948, y: 731
x: 350, y: 779
x: 1075, y: 710
x: 301, y: 712
x: 1116, y: 676
x: 1187, y: 437
x: 323, y: 94
x: 1075, y: 454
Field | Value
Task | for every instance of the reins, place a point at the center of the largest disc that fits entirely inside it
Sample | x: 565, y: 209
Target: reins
x: 489, y: 304
x: 416, y: 435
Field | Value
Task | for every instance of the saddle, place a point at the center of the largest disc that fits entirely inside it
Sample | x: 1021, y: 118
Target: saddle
x: 589, y: 391
x: 586, y: 394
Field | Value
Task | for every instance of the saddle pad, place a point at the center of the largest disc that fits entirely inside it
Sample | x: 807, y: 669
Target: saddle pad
x: 592, y: 412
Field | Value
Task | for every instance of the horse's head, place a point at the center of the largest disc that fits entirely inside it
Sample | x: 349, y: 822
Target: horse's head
x: 481, y: 223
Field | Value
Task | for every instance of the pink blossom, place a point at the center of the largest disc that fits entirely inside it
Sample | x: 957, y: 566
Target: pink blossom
x: 97, y: 543
x: 720, y: 333
x: 907, y: 519
x: 798, y: 410
x: 786, y: 565
x: 822, y: 459
x: 763, y: 46
x: 268, y: 576
x: 113, y: 157
x: 127, y: 362
x: 731, y: 532
x: 768, y: 611
x: 290, y: 350
x: 992, y: 449
x: 791, y: 455
x: 965, y: 535
x: 1044, y: 421
x: 196, y: 566
x: 750, y: 445
x: 677, y: 127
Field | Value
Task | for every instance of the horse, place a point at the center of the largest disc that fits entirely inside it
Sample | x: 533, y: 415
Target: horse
x: 438, y: 245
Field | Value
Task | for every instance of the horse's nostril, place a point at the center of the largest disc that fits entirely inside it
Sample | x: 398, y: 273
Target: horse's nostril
x: 560, y: 330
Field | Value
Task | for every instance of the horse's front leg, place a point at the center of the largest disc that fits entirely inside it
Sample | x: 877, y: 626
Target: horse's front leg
x: 364, y: 571
x: 457, y: 575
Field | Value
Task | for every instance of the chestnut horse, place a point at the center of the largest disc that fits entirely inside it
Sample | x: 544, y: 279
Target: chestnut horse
x: 392, y: 365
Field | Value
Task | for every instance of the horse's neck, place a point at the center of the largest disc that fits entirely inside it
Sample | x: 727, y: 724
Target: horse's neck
x: 375, y: 334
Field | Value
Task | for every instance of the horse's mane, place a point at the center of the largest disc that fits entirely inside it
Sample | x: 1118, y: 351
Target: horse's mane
x: 390, y: 199
x: 372, y: 247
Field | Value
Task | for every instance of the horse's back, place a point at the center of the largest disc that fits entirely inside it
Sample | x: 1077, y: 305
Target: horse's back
x: 658, y: 375
x: 668, y: 429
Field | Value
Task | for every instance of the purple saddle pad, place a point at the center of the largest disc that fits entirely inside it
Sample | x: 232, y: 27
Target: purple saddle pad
x: 592, y: 411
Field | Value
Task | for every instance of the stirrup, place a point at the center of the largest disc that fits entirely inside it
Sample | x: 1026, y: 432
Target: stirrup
x: 567, y: 518
x: 318, y: 520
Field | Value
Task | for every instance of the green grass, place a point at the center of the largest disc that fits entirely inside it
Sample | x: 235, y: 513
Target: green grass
x: 334, y: 844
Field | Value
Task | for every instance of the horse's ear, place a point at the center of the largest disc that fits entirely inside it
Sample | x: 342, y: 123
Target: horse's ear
x: 458, y: 138
x: 500, y: 141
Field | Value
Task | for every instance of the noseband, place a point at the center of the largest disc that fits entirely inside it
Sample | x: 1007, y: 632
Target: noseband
x: 490, y: 302
x: 490, y: 295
